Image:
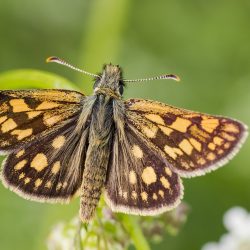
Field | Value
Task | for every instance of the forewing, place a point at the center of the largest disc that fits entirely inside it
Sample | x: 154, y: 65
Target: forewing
x: 25, y: 115
x: 191, y: 143
x: 138, y: 181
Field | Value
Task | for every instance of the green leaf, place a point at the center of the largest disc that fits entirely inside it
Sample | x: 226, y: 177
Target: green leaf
x: 29, y: 78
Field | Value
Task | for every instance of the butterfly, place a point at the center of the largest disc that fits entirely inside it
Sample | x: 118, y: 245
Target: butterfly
x: 62, y: 144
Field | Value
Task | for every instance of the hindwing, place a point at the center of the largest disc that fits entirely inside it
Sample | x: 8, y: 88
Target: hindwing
x: 139, y: 181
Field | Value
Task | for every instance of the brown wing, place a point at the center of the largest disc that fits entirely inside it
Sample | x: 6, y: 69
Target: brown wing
x: 191, y: 143
x: 49, y: 169
x: 46, y: 165
x: 138, y: 181
x: 27, y: 114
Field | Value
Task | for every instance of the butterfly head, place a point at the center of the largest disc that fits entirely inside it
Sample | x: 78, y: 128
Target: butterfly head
x: 110, y: 80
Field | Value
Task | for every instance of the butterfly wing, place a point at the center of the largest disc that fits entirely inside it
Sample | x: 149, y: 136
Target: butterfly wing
x: 26, y: 115
x: 191, y: 143
x: 138, y: 181
x: 154, y: 144
x: 48, y: 164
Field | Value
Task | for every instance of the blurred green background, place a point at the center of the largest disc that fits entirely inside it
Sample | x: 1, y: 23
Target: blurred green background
x: 206, y: 43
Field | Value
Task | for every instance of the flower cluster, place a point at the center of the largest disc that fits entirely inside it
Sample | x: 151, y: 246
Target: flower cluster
x: 102, y: 233
x: 237, y: 222
x: 115, y: 231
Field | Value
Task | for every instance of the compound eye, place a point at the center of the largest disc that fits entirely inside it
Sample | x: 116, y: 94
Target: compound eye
x: 121, y: 89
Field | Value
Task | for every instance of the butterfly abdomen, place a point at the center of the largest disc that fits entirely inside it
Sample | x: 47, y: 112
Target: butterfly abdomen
x: 95, y: 170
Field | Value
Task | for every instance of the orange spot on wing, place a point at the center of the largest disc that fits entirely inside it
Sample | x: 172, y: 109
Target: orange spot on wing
x: 209, y: 124
x: 180, y: 124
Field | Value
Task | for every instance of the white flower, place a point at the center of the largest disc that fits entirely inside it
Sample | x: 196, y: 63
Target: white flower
x: 237, y: 222
x: 62, y: 236
x: 99, y: 234
x: 57, y: 239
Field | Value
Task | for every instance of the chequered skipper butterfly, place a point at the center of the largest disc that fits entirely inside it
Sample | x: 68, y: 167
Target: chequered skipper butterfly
x: 61, y: 144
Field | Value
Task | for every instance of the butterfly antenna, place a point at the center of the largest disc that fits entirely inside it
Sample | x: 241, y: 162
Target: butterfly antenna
x: 170, y: 76
x: 62, y: 62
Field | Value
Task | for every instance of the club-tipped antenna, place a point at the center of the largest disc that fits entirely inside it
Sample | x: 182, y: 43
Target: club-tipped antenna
x: 169, y: 76
x: 62, y: 62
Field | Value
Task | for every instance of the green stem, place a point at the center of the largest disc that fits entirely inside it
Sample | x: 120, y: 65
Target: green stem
x: 133, y: 228
x: 103, y: 37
